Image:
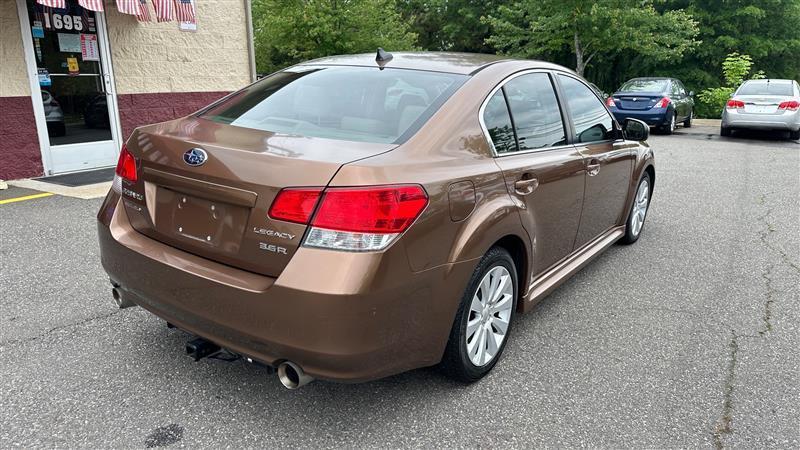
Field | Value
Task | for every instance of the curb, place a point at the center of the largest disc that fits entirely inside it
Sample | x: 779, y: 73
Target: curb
x: 89, y: 191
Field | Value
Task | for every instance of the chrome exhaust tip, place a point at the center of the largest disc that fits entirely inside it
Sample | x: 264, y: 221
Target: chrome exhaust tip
x: 121, y: 302
x: 292, y: 375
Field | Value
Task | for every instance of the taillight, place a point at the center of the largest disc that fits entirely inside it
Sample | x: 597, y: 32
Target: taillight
x: 352, y: 219
x: 126, y: 165
x: 610, y: 102
x: 735, y: 104
x: 295, y: 205
x: 663, y: 103
x: 792, y: 105
x: 388, y: 209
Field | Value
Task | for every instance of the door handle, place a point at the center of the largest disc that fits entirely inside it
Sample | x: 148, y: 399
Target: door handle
x: 526, y: 185
x: 593, y: 168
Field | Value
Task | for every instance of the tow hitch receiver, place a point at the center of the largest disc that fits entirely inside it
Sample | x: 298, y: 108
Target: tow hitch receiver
x: 199, y: 348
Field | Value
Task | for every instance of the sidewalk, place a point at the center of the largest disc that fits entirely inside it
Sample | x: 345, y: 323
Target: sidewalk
x: 84, y: 192
x: 706, y: 122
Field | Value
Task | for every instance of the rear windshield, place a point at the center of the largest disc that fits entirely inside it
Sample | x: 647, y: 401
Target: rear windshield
x: 348, y: 103
x: 765, y: 88
x: 644, y: 86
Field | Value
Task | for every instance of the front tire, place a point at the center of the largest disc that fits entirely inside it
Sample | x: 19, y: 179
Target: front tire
x: 688, y: 122
x: 483, y: 321
x: 638, y: 213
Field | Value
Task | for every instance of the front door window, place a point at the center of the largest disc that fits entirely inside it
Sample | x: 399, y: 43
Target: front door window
x: 70, y: 73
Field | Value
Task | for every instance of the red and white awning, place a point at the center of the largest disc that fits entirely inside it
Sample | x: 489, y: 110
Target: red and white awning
x: 166, y: 10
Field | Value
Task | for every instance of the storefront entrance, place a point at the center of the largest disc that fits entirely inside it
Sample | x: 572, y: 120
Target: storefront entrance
x: 73, y: 90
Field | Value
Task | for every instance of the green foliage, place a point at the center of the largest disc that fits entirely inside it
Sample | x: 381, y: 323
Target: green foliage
x: 711, y: 101
x: 616, y: 39
x: 592, y: 30
x: 450, y: 25
x: 767, y: 30
x: 735, y: 70
x: 290, y: 31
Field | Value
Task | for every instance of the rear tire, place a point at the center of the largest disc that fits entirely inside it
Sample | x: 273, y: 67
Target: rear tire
x: 638, y: 213
x: 486, y: 314
x: 794, y: 135
x: 670, y: 127
x: 725, y: 131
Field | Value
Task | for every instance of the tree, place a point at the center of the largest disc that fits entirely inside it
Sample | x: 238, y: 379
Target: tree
x: 450, y: 25
x: 735, y: 70
x: 600, y: 29
x: 767, y: 30
x: 290, y: 31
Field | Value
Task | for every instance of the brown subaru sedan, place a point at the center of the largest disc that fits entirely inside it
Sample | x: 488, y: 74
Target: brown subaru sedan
x: 354, y: 217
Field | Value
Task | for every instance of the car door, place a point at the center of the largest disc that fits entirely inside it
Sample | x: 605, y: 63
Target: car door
x: 542, y: 171
x: 681, y: 101
x: 608, y: 159
x: 687, y: 100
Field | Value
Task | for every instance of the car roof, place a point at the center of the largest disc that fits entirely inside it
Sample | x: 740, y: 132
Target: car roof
x: 770, y: 80
x: 653, y: 78
x: 450, y: 62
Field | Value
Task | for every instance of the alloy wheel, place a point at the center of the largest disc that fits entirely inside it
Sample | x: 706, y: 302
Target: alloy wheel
x: 672, y: 124
x: 489, y: 316
x: 640, y: 205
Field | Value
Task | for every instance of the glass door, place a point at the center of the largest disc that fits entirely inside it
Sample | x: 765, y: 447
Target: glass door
x: 75, y: 86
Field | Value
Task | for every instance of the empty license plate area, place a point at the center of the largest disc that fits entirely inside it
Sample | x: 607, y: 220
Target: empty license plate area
x: 757, y: 108
x: 200, y: 221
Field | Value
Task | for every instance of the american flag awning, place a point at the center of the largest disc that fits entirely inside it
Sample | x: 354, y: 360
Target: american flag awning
x: 184, y: 10
x: 94, y: 5
x: 166, y: 10
x: 61, y: 4
x: 132, y: 7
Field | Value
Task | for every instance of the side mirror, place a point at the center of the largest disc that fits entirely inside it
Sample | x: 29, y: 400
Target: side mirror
x: 691, y: 93
x: 635, y: 130
x: 605, y: 96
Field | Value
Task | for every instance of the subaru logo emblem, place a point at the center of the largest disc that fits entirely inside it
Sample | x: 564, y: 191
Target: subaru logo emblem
x: 195, y: 157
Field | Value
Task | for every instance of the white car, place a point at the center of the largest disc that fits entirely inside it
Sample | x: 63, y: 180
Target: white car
x: 764, y: 105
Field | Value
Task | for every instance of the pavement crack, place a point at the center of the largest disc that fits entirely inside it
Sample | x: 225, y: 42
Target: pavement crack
x: 764, y: 234
x: 55, y: 329
x: 723, y: 426
x: 769, y: 301
x: 769, y: 229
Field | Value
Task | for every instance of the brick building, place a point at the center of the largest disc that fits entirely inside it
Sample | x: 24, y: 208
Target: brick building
x: 74, y: 83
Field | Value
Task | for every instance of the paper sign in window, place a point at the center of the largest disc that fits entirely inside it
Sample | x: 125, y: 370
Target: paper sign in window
x: 89, y: 49
x: 69, y: 43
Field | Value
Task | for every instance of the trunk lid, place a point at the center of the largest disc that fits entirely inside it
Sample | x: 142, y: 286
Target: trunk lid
x: 762, y: 104
x: 637, y: 100
x: 219, y: 209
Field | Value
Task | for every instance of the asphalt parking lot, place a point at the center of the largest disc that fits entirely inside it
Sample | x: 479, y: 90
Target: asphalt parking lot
x: 689, y: 338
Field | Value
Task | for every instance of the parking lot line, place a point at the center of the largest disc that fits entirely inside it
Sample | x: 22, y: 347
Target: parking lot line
x: 26, y: 197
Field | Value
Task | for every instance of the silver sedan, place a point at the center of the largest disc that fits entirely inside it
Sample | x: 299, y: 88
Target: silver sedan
x: 764, y: 105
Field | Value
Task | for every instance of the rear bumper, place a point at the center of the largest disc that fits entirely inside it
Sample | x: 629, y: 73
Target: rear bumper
x: 653, y: 118
x: 785, y: 121
x: 340, y: 316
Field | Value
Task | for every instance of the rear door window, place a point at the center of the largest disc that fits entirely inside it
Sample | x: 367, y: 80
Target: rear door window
x: 498, y: 124
x: 535, y: 111
x: 348, y: 103
x: 589, y: 116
